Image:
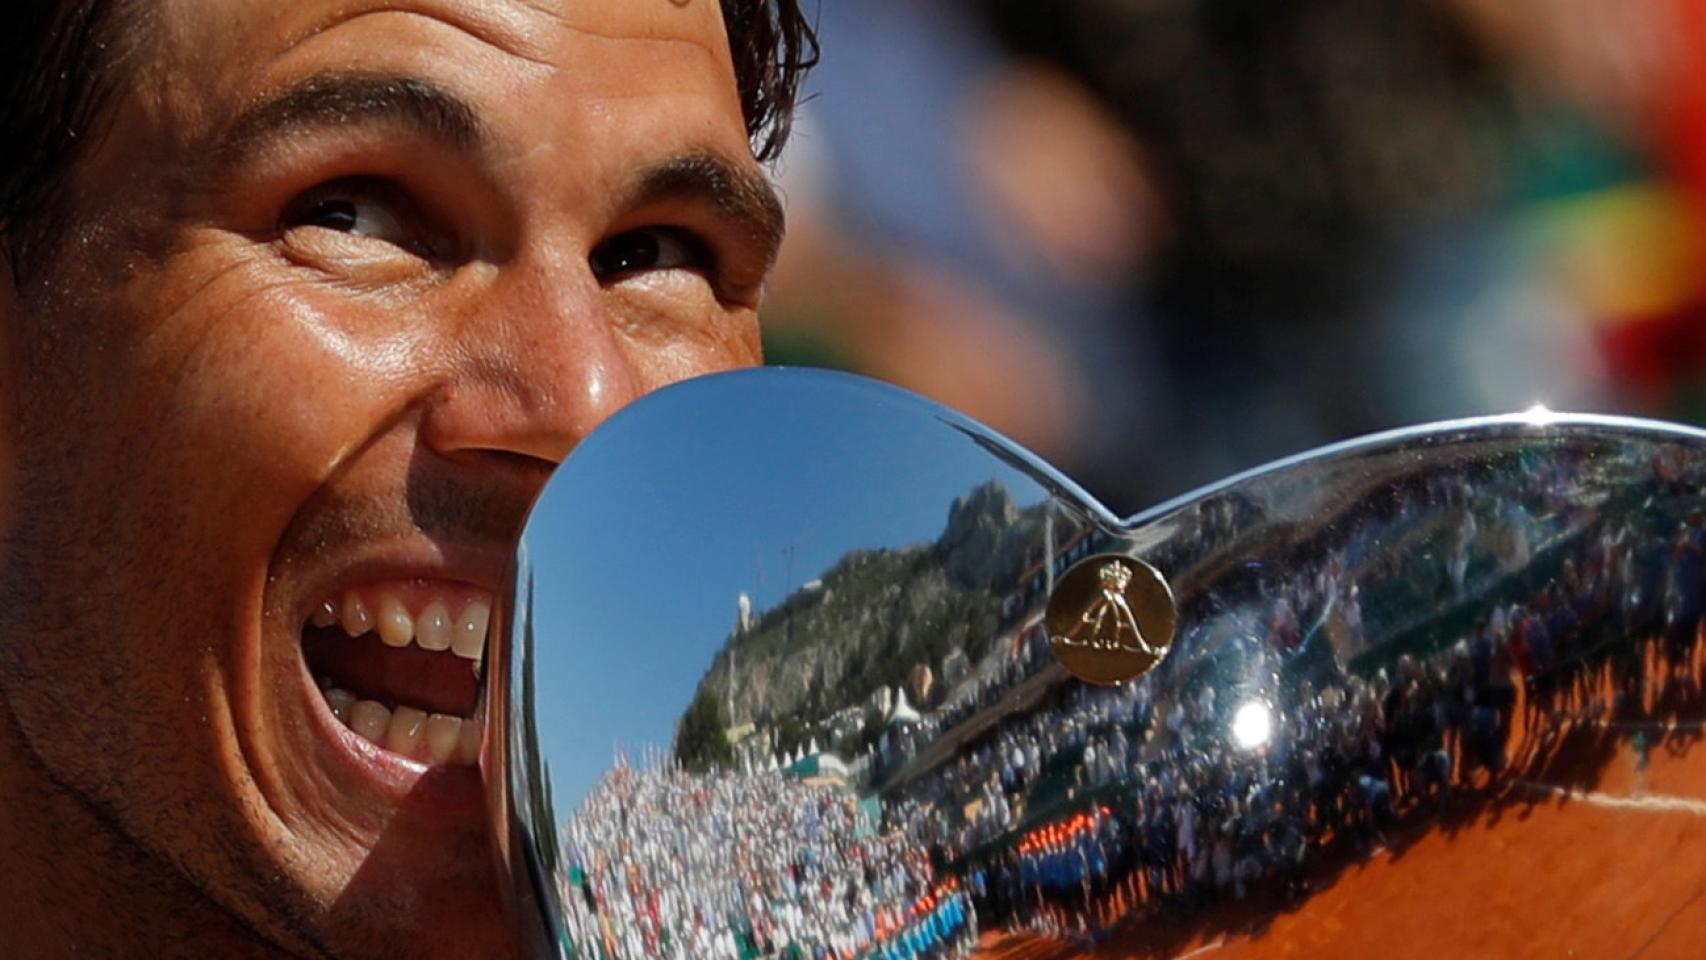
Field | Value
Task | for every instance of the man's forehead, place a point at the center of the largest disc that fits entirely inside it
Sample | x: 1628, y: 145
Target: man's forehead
x: 218, y: 60
x: 497, y: 20
x: 247, y: 36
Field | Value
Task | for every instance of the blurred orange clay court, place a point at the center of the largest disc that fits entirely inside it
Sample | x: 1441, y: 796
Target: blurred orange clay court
x: 1585, y: 856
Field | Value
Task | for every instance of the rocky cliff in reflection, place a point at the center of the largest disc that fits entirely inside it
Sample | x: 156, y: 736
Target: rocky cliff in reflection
x: 877, y: 622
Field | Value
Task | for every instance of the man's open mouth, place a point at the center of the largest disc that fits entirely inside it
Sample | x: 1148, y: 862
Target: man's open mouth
x: 400, y: 663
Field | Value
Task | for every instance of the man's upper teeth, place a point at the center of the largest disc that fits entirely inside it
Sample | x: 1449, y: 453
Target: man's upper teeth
x: 434, y: 628
x: 468, y: 635
x: 356, y: 619
x: 396, y: 627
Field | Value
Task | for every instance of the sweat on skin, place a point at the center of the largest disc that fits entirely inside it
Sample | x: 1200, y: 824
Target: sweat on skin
x: 340, y: 283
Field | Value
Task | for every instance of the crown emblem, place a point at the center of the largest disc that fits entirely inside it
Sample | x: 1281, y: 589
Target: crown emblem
x: 1111, y: 619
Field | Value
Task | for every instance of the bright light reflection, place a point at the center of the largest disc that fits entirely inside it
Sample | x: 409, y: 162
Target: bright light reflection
x: 1252, y: 725
x: 1538, y: 415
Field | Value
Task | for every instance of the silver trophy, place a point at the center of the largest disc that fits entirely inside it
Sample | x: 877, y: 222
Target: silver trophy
x: 801, y: 665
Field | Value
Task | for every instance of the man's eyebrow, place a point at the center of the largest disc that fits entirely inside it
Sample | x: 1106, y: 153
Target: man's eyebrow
x: 336, y: 99
x: 743, y: 195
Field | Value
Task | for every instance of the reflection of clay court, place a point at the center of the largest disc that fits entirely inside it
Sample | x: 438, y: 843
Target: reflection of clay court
x: 1441, y: 705
x: 1589, y: 852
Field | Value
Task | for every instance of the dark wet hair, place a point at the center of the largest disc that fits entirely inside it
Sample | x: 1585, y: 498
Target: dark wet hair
x: 773, y: 46
x: 60, y: 59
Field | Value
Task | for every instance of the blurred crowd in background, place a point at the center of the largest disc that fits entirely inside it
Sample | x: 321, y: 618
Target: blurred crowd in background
x: 1158, y: 241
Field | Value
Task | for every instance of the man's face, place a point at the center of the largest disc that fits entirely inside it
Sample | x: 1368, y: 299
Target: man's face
x: 341, y: 284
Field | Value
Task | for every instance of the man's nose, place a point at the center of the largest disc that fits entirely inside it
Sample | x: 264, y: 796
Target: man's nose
x: 537, y: 365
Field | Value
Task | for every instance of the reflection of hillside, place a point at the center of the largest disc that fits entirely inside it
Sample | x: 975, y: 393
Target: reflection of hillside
x: 1197, y: 567
x: 1389, y: 527
x: 875, y: 616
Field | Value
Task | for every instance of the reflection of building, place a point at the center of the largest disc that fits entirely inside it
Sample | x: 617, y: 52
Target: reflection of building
x: 819, y: 766
x: 921, y: 681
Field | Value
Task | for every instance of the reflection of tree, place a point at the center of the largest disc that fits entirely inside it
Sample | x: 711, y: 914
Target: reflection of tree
x: 863, y: 739
x: 700, y: 741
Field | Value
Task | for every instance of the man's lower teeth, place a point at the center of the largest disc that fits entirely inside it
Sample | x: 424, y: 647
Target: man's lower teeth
x: 433, y: 738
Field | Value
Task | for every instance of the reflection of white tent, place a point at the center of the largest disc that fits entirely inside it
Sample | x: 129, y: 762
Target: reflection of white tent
x: 902, y: 712
x: 817, y: 764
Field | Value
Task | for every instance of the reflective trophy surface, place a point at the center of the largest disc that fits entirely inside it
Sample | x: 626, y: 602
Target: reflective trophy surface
x: 802, y: 665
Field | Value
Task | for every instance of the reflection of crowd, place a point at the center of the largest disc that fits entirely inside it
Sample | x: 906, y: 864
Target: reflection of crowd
x: 984, y: 689
x: 669, y: 864
x: 1575, y: 617
x: 1026, y: 651
x: 1440, y: 638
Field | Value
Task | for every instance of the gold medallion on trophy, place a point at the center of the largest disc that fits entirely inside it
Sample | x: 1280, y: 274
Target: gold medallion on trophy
x: 1111, y: 619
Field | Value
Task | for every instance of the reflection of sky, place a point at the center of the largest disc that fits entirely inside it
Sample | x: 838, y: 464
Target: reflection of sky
x: 650, y: 532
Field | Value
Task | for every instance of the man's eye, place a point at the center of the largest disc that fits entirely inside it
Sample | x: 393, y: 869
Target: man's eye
x: 362, y: 207
x: 352, y: 216
x: 649, y: 248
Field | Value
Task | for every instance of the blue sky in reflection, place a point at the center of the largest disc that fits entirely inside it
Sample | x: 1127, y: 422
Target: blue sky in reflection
x: 753, y: 482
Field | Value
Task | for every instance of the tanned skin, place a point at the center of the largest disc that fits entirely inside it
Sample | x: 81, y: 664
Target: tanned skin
x: 336, y: 287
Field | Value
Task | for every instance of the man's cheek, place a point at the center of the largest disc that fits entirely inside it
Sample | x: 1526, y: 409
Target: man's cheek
x: 289, y: 389
x: 664, y: 348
